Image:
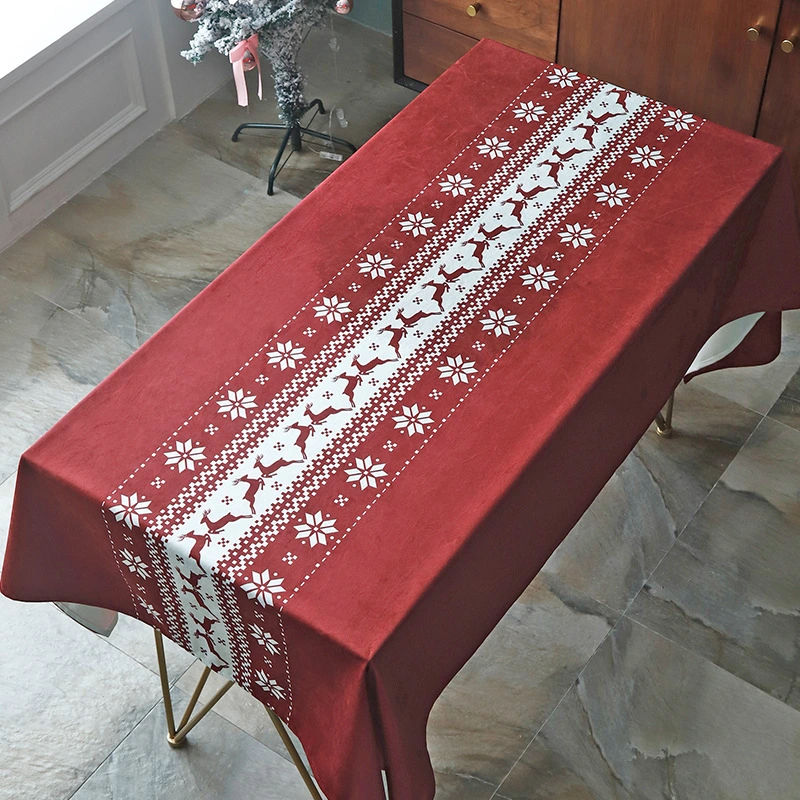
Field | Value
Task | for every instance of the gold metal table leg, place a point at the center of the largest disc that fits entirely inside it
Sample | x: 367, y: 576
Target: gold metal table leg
x: 298, y: 762
x: 664, y: 418
x: 176, y: 737
x: 162, y: 671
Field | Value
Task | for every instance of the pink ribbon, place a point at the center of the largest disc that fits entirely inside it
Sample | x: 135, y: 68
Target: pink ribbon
x: 237, y: 56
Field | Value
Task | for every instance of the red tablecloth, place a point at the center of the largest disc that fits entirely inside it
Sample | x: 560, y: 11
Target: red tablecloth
x: 333, y: 472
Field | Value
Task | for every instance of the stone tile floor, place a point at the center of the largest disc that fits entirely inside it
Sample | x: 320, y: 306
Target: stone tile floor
x: 656, y: 656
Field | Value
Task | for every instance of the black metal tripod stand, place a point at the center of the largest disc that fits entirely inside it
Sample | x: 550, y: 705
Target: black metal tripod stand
x: 293, y: 133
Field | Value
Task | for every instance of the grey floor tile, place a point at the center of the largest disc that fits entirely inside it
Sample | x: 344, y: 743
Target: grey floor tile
x: 49, y: 360
x: 357, y: 78
x: 493, y: 707
x: 93, y: 286
x: 787, y: 406
x: 171, y: 211
x: 649, y: 720
x: 67, y: 698
x: 729, y: 589
x: 759, y: 387
x: 219, y: 762
x: 636, y: 518
x: 462, y: 787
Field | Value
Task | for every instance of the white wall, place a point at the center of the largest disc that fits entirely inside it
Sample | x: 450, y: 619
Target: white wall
x: 87, y: 100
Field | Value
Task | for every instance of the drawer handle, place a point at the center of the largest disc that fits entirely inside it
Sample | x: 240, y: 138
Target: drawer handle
x: 787, y: 45
x: 473, y: 9
x: 753, y: 33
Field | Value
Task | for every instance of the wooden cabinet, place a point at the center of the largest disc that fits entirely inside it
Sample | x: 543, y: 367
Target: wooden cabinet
x: 694, y: 54
x: 779, y: 121
x: 736, y: 62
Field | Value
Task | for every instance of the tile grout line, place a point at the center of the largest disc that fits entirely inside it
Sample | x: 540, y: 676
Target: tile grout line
x: 624, y: 613
x: 58, y: 307
x: 683, y: 530
x: 693, y: 516
x: 560, y: 700
x: 113, y: 750
x: 771, y: 419
x: 713, y: 664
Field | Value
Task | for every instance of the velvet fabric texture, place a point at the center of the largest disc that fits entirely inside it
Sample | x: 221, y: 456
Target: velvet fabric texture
x: 568, y: 329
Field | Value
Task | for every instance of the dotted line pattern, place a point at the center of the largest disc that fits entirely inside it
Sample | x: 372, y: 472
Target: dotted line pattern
x: 315, y: 299
x: 394, y: 292
x: 218, y: 471
x: 495, y: 360
x: 297, y: 494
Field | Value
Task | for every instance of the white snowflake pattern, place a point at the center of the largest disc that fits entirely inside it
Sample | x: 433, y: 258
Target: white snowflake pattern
x: 130, y: 508
x: 679, y: 120
x: 576, y: 235
x: 416, y: 224
x: 563, y: 77
x: 185, y: 455
x: 499, y: 322
x: 529, y: 111
x: 265, y: 639
x: 540, y: 277
x: 646, y: 156
x: 376, y: 265
x: 264, y: 587
x: 366, y: 473
x: 237, y: 404
x: 286, y: 354
x: 457, y: 369
x: 333, y: 309
x: 412, y: 419
x: 148, y: 607
x: 456, y: 185
x: 612, y: 195
x: 134, y: 563
x: 269, y: 685
x: 316, y: 529
x: 494, y: 147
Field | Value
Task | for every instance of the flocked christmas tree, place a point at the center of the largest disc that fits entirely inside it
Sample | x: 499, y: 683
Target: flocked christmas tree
x: 281, y: 26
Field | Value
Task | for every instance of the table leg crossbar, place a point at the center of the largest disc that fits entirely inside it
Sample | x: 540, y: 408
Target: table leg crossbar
x: 176, y: 735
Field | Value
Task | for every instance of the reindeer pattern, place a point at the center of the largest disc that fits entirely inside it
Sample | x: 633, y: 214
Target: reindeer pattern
x: 329, y: 406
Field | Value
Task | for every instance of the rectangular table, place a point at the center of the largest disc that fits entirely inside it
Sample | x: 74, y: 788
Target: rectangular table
x: 332, y: 473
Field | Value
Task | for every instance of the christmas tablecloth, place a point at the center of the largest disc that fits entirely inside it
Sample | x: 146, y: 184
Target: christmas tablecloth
x: 332, y: 473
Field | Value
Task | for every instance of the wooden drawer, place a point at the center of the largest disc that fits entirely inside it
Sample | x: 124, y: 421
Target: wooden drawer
x: 429, y: 49
x: 529, y: 25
